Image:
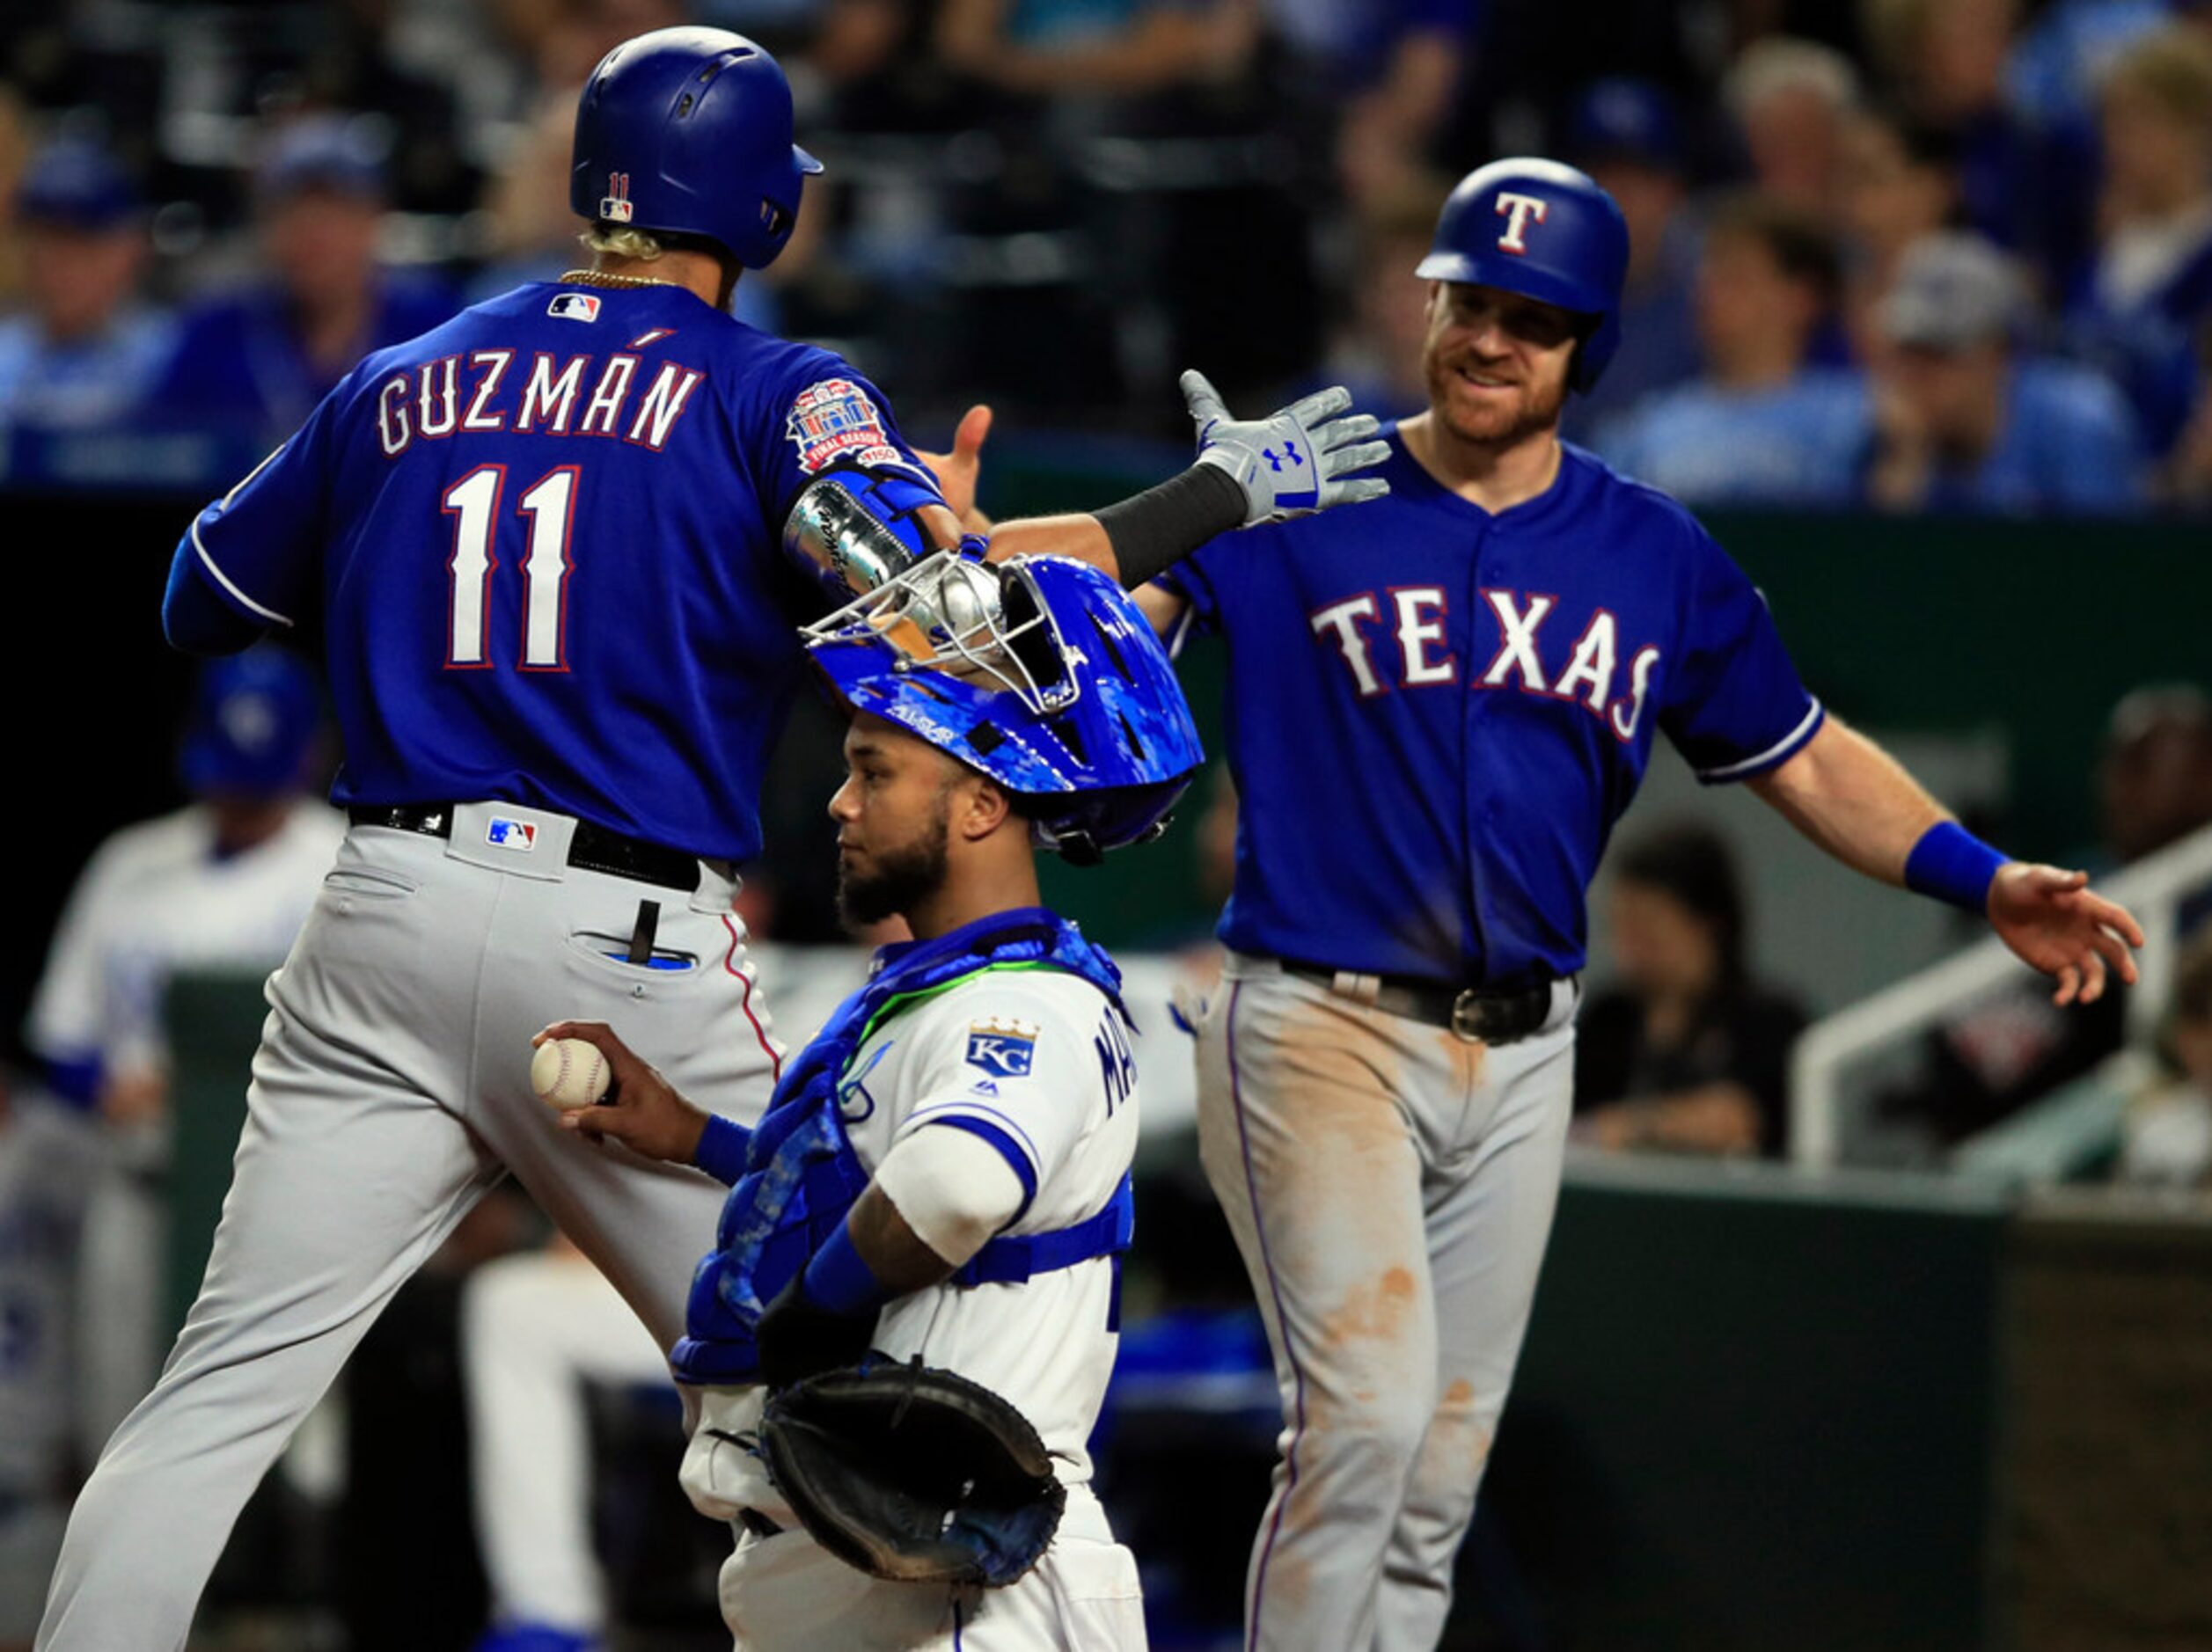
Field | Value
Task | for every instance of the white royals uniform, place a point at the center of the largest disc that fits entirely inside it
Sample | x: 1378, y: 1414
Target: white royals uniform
x: 155, y: 900
x: 1042, y: 1059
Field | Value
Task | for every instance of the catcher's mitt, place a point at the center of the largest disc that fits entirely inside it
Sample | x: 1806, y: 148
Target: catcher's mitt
x: 913, y: 1474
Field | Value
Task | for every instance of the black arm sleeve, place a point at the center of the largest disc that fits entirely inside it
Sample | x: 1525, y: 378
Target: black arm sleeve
x: 1153, y: 531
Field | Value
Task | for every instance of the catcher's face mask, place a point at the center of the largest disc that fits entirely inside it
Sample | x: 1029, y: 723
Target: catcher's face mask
x: 1040, y: 673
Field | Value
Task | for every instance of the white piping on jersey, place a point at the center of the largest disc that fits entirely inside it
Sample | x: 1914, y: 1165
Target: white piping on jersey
x: 223, y: 579
x: 1782, y: 745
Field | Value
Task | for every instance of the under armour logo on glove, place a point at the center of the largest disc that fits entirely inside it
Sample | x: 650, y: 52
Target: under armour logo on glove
x: 1314, y: 426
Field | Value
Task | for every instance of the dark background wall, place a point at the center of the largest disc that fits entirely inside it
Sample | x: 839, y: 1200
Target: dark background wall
x: 2032, y: 629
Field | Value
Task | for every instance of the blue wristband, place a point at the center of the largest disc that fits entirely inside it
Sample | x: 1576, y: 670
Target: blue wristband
x: 722, y: 1147
x: 840, y: 1280
x: 1952, y: 863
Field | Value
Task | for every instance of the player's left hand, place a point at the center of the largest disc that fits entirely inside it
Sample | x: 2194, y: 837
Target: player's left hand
x: 641, y: 1109
x: 958, y: 471
x: 799, y: 1338
x: 2052, y: 920
x: 1299, y: 458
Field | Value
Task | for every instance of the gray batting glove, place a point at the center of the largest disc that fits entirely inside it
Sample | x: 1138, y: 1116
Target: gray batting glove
x: 1300, y: 458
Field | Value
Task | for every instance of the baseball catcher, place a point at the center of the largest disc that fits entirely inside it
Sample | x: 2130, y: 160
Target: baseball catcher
x: 907, y: 1324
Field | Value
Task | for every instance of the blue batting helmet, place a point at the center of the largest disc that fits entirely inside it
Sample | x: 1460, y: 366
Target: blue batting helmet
x: 1041, y: 673
x: 688, y: 130
x: 253, y: 725
x: 1543, y: 231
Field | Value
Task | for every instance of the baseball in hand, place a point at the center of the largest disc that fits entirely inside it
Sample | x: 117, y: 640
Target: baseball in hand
x: 567, y: 1072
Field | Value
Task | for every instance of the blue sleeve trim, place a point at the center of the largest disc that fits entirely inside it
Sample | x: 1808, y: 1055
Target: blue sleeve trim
x: 967, y: 1107
x: 1008, y: 1149
x: 76, y: 1081
x: 197, y: 616
x: 722, y: 1147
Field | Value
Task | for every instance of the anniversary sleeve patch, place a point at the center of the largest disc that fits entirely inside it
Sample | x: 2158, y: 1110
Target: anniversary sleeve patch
x: 835, y: 422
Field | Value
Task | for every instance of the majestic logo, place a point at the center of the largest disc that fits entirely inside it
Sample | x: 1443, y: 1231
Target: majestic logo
x: 518, y: 835
x: 1519, y: 211
x: 574, y: 307
x: 835, y: 421
x: 614, y: 205
x: 1008, y: 1048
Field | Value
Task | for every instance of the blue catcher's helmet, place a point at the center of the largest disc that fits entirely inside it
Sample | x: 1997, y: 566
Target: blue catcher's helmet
x: 1041, y: 673
x: 1546, y: 232
x: 688, y: 130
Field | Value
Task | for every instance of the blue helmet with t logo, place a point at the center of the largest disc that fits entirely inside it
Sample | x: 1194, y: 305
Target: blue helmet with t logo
x: 1543, y: 231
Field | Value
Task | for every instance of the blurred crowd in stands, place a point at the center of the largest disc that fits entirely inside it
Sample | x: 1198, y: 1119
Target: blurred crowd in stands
x: 1909, y: 254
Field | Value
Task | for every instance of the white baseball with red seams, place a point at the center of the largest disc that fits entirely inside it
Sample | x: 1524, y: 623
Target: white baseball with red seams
x: 567, y: 1072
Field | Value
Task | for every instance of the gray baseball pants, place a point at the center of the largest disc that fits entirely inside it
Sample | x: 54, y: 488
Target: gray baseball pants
x: 1391, y: 1187
x: 391, y: 1090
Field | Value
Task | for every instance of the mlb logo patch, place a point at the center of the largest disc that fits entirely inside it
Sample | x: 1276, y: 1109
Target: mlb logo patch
x: 1006, y: 1049
x: 574, y: 307
x: 835, y: 420
x: 614, y: 205
x: 518, y: 835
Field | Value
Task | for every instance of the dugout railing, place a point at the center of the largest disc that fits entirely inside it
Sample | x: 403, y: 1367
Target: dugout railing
x: 1828, y: 1109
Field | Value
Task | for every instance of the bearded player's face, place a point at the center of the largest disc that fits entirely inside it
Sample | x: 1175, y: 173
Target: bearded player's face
x: 1496, y: 363
x: 893, y: 815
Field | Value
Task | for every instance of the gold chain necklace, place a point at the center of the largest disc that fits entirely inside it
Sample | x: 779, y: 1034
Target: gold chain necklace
x: 601, y: 278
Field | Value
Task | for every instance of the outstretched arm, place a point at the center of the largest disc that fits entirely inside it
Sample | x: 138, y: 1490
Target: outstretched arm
x: 1300, y: 458
x: 1856, y: 800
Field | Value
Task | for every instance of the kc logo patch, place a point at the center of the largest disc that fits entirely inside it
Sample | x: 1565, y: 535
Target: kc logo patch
x: 574, y: 307
x: 518, y: 835
x: 835, y: 420
x: 1006, y: 1049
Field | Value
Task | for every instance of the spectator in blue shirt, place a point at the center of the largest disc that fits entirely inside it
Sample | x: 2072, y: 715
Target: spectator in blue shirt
x: 1628, y: 134
x: 1762, y: 426
x: 1962, y: 424
x: 2024, y: 184
x: 2149, y: 297
x: 85, y: 352
x: 1393, y: 69
x: 260, y: 360
x: 1900, y: 182
x: 1792, y: 102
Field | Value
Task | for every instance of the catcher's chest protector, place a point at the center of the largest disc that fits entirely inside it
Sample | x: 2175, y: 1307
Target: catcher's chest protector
x: 804, y: 1176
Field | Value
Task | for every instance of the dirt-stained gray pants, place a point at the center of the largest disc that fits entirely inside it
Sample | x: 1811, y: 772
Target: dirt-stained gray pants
x: 1391, y: 1187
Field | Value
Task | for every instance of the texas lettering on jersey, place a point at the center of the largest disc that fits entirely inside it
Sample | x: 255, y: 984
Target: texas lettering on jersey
x: 1408, y: 624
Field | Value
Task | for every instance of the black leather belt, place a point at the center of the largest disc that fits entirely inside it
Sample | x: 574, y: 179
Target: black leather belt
x: 1493, y: 1015
x: 591, y: 848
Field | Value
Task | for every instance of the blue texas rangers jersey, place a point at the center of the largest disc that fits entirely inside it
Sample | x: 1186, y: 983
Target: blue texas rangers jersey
x: 1436, y: 715
x: 542, y: 547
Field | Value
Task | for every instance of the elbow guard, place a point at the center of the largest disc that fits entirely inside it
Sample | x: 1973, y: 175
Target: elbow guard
x: 854, y: 529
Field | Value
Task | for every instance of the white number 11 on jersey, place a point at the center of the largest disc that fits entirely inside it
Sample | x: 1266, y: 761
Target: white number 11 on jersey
x: 549, y: 504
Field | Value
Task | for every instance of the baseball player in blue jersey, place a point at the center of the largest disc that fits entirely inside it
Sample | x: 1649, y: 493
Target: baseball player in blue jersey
x: 551, y: 552
x: 1473, y: 674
